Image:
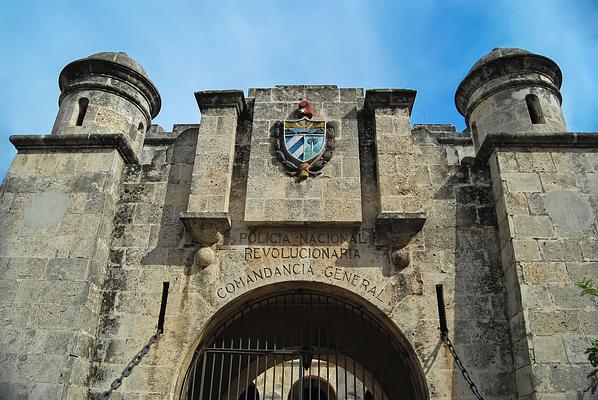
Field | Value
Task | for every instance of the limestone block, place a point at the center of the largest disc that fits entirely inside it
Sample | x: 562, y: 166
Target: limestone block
x: 526, y: 250
x: 558, y: 181
x: 523, y: 182
x: 561, y: 250
x: 538, y: 273
x: 533, y: 226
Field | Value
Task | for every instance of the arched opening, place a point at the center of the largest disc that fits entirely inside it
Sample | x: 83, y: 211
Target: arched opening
x: 250, y: 393
x: 534, y: 109
x: 303, y: 342
x: 140, y: 128
x: 312, y: 388
x: 83, y: 104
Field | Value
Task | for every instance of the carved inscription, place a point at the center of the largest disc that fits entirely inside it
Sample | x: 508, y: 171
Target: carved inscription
x: 294, y: 252
x: 252, y: 278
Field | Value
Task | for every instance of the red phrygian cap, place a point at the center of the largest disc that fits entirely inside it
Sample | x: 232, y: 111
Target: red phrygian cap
x: 306, y: 109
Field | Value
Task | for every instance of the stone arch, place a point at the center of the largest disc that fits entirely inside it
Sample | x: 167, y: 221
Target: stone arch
x: 233, y: 317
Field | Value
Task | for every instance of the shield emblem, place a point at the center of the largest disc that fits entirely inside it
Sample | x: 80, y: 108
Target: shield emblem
x: 304, y: 140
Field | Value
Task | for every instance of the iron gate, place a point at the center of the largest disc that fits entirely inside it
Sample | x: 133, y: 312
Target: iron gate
x: 297, y: 346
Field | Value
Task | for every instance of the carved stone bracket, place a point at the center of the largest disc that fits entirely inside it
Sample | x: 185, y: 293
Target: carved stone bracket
x: 206, y: 229
x: 396, y: 230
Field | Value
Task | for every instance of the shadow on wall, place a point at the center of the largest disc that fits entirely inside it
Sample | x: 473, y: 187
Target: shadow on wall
x: 167, y: 242
x: 480, y: 331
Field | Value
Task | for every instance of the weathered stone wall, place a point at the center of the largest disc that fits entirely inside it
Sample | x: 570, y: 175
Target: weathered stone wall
x: 56, y: 219
x: 546, y: 201
x: 148, y: 248
x: 458, y: 247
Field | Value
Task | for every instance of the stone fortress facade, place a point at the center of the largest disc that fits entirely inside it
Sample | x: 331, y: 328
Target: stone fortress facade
x: 296, y: 250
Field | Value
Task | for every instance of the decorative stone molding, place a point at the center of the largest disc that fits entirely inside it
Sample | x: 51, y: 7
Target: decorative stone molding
x: 116, y: 141
x: 520, y: 67
x: 396, y: 230
x: 207, y: 99
x: 535, y: 139
x: 389, y: 98
x: 206, y: 229
x: 129, y: 80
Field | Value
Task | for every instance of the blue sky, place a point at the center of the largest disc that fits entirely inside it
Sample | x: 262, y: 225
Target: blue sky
x: 186, y: 46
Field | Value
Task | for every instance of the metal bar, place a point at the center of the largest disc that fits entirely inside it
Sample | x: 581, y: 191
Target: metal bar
x: 346, y: 380
x: 354, y: 377
x: 328, y: 376
x: 221, y: 372
x: 353, y: 320
x: 282, y: 374
x: 239, y: 371
x: 292, y: 386
x: 336, y: 349
x: 319, y: 374
x: 203, y: 371
x: 273, y: 378
x: 301, y: 366
x: 257, y: 368
x: 165, y: 286
x: 265, y: 369
x: 230, y: 372
x: 247, y: 374
x: 212, y: 375
x: 327, y: 355
x: 301, y: 375
x: 310, y: 383
x: 194, y: 374
x: 441, y: 310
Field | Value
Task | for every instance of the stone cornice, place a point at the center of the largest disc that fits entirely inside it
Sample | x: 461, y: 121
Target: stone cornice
x: 82, y: 75
x: 532, y: 66
x: 535, y: 140
x: 389, y: 98
x: 159, y: 140
x: 207, y: 99
x: 116, y: 141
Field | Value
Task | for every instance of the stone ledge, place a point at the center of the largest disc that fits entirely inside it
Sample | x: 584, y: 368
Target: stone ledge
x: 204, y: 227
x: 403, y: 224
x: 396, y: 230
x: 207, y: 99
x: 116, y: 141
x: 456, y: 140
x: 389, y: 98
x: 535, y: 139
x: 159, y: 140
x: 304, y: 223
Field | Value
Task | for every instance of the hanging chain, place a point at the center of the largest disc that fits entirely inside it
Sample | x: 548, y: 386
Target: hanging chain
x: 459, y: 363
x: 134, y: 362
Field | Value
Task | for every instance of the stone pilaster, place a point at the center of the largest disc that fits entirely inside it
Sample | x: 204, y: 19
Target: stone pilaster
x: 401, y: 205
x: 207, y: 216
x: 546, y: 209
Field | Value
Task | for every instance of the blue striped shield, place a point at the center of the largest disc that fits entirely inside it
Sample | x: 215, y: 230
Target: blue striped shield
x: 304, y: 140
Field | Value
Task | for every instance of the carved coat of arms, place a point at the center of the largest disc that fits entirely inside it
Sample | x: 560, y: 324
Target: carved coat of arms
x: 304, y: 146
